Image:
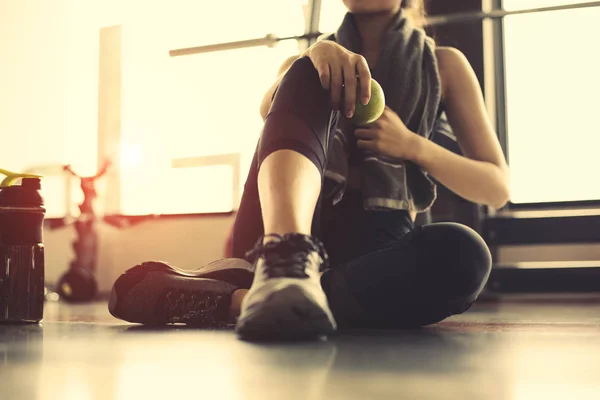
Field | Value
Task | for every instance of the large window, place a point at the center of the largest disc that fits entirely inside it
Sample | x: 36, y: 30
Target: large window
x: 552, y: 86
x: 198, y: 105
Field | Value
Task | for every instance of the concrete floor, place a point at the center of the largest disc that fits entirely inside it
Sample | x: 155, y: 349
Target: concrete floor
x: 509, y: 350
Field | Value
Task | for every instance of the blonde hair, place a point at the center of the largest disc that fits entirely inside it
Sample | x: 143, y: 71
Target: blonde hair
x: 415, y: 10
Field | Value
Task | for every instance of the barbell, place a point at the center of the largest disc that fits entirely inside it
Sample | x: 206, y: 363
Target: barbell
x: 271, y: 40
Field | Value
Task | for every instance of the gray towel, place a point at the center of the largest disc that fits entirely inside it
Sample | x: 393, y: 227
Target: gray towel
x: 407, y: 71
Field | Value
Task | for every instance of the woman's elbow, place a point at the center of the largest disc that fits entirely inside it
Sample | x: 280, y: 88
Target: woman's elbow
x: 502, y: 196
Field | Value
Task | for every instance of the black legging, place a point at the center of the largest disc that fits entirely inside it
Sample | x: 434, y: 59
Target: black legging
x: 385, y: 273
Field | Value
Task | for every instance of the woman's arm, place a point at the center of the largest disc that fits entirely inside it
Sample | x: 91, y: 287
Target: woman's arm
x: 482, y: 175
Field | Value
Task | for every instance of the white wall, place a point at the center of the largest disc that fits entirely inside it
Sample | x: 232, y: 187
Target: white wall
x: 32, y: 81
x: 185, y: 242
x: 49, y: 80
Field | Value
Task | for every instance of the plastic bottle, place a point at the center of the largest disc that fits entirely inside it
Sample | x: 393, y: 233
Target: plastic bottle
x: 21, y: 251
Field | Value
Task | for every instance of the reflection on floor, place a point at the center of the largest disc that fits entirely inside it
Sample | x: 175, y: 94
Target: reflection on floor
x: 508, y: 350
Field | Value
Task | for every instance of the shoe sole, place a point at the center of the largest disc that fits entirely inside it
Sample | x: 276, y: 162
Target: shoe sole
x: 287, y: 314
x: 236, y: 271
x: 154, y: 293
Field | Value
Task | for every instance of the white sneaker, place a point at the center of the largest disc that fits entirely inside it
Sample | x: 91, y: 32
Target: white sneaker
x: 286, y: 300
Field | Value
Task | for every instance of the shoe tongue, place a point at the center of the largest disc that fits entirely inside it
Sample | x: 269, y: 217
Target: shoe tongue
x: 290, y: 243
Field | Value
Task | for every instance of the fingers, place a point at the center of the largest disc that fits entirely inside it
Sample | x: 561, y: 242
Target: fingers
x: 368, y: 139
x: 369, y: 145
x: 367, y: 134
x: 324, y: 75
x: 341, y: 72
x: 364, y: 77
x: 336, y: 83
x: 350, y: 87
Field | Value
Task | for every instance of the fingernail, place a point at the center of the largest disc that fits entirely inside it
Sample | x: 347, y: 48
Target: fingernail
x: 349, y: 113
x: 365, y: 101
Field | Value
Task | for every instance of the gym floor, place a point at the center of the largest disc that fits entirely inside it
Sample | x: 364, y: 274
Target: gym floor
x: 514, y: 349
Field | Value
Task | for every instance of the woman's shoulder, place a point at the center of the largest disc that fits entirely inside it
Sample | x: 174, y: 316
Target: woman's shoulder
x: 450, y: 59
x: 451, y: 62
x: 447, y: 52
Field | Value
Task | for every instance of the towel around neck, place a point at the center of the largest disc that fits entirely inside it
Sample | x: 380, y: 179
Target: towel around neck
x: 407, y: 71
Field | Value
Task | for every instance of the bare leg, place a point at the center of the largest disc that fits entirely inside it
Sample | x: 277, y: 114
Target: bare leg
x: 289, y: 185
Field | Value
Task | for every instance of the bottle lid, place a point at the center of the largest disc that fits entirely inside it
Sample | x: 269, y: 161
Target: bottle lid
x: 32, y: 183
x: 11, y: 177
x: 23, y: 195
